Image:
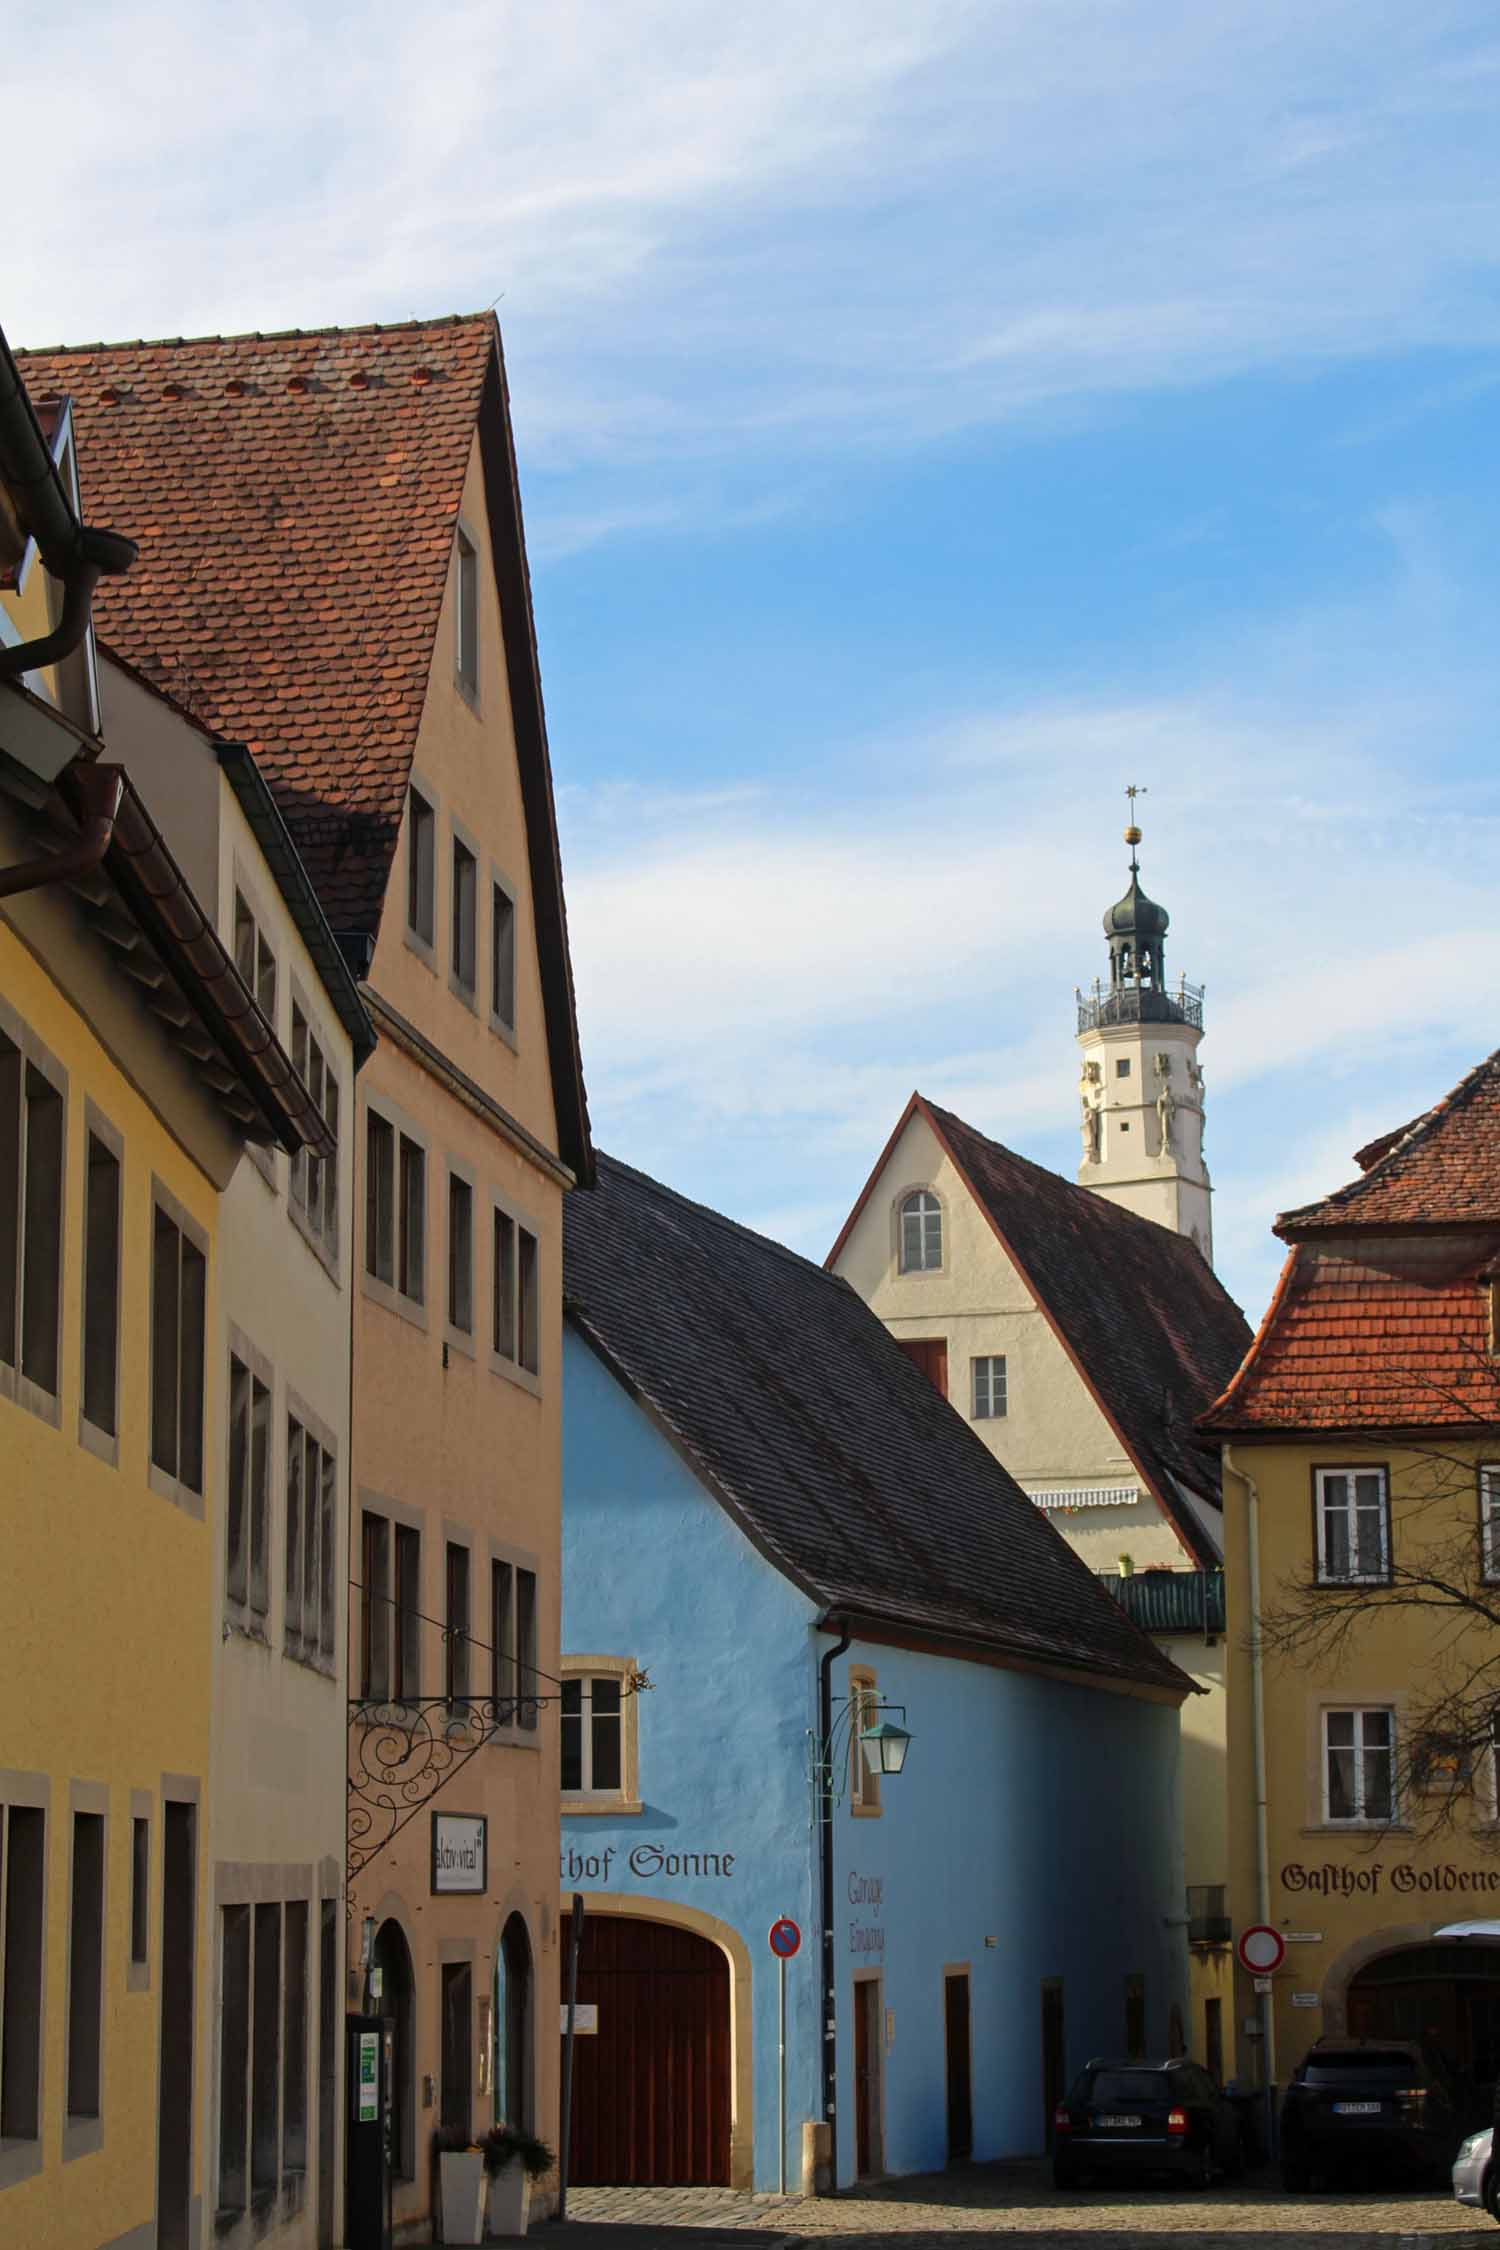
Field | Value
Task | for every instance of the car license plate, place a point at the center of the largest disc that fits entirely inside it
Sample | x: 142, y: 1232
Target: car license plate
x: 1118, y: 2121
x: 1356, y: 2109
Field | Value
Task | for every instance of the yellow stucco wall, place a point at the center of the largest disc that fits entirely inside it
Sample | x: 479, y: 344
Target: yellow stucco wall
x: 1341, y: 1895
x: 105, y: 1619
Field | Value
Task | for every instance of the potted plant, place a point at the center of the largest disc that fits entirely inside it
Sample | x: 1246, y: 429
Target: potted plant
x: 513, y: 2158
x: 460, y: 2167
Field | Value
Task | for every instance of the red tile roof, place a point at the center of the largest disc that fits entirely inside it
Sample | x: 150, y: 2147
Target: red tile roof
x: 1443, y: 1170
x: 294, y: 497
x: 1352, y: 1344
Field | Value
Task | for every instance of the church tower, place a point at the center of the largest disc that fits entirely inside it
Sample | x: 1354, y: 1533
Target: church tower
x: 1141, y: 1088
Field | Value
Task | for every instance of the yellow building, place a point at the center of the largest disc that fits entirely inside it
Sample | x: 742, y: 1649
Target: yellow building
x: 1360, y: 1439
x: 134, y: 1070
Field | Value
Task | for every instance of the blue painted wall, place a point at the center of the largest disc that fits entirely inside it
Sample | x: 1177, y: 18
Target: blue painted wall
x: 1039, y: 1814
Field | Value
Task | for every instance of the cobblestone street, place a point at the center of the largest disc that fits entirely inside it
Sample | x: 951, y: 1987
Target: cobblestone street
x: 1018, y: 2199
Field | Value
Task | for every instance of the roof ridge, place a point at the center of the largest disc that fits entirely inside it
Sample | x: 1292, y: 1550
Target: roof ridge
x: 1402, y: 1141
x: 720, y: 1218
x: 250, y: 336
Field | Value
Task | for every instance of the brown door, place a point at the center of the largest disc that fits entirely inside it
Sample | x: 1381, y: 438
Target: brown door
x: 869, y: 2155
x: 651, y: 2087
x: 930, y: 1353
x: 1053, y: 2053
x: 179, y: 1927
x: 960, y: 2100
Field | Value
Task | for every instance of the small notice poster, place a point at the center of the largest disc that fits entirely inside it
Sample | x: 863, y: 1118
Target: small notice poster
x: 458, y: 1852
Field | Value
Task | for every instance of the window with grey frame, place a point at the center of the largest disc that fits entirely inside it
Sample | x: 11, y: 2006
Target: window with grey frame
x: 248, y: 1493
x: 390, y: 1610
x: 466, y: 614
x: 101, y: 1286
x: 23, y: 1832
x: 456, y: 1634
x: 86, y: 1967
x: 502, y: 956
x: 989, y: 1387
x: 263, y: 2036
x: 254, y: 958
x: 921, y: 1232
x: 421, y: 866
x: 31, y: 1197
x: 460, y: 1254
x: 315, y: 1179
x: 465, y: 908
x: 179, y: 1289
x: 513, y: 1644
x: 516, y: 1331
x: 311, y: 1546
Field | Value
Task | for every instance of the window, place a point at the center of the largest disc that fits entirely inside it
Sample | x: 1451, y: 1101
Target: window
x: 395, y: 1208
x: 513, y: 1627
x: 380, y: 1198
x: 265, y: 2048
x: 517, y: 1307
x: 1489, y: 1522
x: 411, y: 1274
x: 25, y: 1874
x: 390, y: 1603
x: 864, y: 1712
x: 594, y: 1710
x: 85, y: 1964
x: 294, y: 2039
x: 101, y: 1285
x: 1122, y: 1066
x: 140, y: 1891
x: 421, y: 866
x: 234, y: 2055
x: 31, y: 1183
x: 1353, y: 1526
x: 989, y: 1389
x: 179, y: 1282
x: 466, y: 616
x: 921, y: 1233
x: 456, y: 1636
x: 1358, y: 1755
x: 311, y: 1490
x: 460, y: 1255
x: 254, y: 959
x: 502, y: 956
x: 465, y: 917
x: 315, y: 1179
x: 246, y: 1577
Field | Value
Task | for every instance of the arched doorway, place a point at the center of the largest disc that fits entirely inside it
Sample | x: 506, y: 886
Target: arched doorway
x: 651, y: 2089
x: 392, y: 1957
x: 1448, y: 1996
x: 513, y: 2076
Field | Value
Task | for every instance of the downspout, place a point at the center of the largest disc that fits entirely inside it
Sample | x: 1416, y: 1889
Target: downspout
x: 1267, y: 2008
x: 99, y: 790
x: 825, y: 1872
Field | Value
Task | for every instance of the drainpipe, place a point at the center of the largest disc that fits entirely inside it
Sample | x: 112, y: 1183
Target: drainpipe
x: 825, y: 1871
x: 1258, y: 1732
x: 98, y: 790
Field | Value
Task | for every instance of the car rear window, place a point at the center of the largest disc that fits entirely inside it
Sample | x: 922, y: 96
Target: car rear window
x: 1366, y: 2062
x: 1127, y: 2086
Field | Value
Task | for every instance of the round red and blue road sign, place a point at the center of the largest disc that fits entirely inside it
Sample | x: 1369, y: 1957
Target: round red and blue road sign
x: 784, y: 1938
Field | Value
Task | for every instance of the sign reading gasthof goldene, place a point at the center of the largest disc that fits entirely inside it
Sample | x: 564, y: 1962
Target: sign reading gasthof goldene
x: 459, y: 1852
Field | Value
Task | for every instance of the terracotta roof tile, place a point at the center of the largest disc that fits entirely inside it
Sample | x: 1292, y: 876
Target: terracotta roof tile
x: 294, y: 497
x: 1442, y: 1170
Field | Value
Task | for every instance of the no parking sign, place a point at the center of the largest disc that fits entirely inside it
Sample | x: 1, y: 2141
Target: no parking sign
x: 784, y: 1938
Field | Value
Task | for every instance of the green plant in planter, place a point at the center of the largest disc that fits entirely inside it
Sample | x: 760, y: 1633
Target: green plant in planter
x: 504, y: 2145
x: 453, y: 2140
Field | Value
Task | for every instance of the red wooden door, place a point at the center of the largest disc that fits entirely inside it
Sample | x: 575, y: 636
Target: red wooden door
x: 930, y: 1353
x: 651, y: 2089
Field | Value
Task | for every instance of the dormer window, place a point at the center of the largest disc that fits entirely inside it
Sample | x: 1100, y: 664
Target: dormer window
x: 921, y: 1232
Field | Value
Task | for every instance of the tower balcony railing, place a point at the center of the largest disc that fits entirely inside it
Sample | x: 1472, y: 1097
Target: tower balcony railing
x: 1106, y: 1004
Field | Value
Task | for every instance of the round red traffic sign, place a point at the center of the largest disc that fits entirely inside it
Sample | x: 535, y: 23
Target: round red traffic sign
x: 1261, y: 1949
x: 784, y: 1938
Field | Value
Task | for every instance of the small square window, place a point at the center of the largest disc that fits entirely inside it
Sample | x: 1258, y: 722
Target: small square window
x: 1122, y: 1066
x: 989, y: 1388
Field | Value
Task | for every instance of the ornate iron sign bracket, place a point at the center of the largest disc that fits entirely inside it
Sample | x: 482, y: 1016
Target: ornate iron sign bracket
x: 402, y: 1753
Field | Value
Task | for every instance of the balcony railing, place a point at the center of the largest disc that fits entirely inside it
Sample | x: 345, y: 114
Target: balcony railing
x: 1208, y: 1919
x: 1105, y: 1004
x: 1170, y: 1601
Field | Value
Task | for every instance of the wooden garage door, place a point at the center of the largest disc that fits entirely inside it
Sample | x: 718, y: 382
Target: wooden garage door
x: 651, y: 2091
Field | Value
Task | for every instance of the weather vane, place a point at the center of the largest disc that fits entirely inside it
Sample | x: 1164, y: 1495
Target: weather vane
x: 1132, y: 833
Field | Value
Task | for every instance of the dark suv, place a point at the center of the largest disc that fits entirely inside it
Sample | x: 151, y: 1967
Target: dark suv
x: 1139, y: 2117
x: 1357, y: 2099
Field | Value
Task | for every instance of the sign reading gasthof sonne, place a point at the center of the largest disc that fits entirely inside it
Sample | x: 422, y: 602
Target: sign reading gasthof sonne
x: 458, y: 1852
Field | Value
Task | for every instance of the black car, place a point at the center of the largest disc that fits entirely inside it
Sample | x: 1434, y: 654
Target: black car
x: 1125, y: 2118
x: 1351, y: 2101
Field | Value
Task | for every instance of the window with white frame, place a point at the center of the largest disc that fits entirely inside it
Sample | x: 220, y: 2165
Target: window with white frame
x: 315, y: 1179
x: 1353, y: 1526
x: 595, y: 1713
x: 248, y: 1497
x: 989, y: 1387
x: 1489, y: 1522
x: 311, y: 1536
x: 1359, y: 1751
x: 921, y: 1232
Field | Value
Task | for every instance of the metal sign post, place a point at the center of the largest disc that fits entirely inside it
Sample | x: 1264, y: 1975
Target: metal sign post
x: 784, y: 1938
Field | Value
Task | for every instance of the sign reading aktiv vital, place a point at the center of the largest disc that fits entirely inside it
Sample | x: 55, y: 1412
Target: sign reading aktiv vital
x: 458, y: 1852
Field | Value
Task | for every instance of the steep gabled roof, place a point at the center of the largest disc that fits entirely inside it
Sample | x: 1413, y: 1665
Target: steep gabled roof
x: 1151, y: 1330
x: 295, y: 498
x: 832, y: 1452
x: 1442, y: 1170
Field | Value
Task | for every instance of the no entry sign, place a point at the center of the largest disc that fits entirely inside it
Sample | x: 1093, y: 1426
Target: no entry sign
x: 1261, y: 1949
x: 784, y: 1938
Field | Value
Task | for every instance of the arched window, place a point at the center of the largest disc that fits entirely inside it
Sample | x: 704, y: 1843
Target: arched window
x: 921, y: 1232
x: 393, y: 1959
x: 513, y: 2026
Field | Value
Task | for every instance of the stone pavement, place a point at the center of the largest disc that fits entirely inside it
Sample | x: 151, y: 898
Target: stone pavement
x: 1003, y: 2200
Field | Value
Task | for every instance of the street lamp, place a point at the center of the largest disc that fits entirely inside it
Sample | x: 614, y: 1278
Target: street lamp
x: 885, y: 1747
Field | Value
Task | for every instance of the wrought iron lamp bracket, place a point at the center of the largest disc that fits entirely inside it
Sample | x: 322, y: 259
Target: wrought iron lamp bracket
x: 828, y: 1760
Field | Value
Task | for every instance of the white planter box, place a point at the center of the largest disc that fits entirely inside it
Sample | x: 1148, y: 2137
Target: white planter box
x: 461, y: 2195
x: 510, y: 2202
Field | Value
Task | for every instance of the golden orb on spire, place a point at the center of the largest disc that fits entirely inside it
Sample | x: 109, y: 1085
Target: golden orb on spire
x: 1132, y: 835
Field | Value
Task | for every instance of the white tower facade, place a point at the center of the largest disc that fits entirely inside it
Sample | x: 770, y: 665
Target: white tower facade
x: 1141, y: 1090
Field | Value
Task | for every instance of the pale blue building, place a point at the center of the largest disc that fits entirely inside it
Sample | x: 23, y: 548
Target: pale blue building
x: 772, y: 1517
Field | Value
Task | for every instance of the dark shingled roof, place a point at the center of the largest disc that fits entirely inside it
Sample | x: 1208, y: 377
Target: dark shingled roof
x: 833, y: 1453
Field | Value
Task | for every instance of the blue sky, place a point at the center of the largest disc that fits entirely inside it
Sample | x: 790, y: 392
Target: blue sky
x: 931, y: 418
